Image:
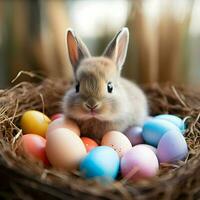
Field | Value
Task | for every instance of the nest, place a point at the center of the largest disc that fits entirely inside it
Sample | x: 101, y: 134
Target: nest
x: 21, y: 178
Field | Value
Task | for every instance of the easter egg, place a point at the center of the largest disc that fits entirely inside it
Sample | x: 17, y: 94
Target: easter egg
x: 139, y: 163
x: 56, y: 116
x: 34, y: 145
x: 118, y: 141
x: 34, y: 122
x: 63, y: 123
x: 134, y: 134
x: 172, y: 147
x: 174, y: 120
x: 65, y: 149
x: 89, y: 143
x: 148, y: 146
x: 101, y: 162
x: 154, y: 129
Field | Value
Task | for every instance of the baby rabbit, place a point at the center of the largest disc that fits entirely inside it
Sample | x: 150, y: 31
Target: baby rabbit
x: 100, y: 100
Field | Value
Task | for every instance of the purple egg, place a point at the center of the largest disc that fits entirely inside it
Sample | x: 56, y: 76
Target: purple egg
x: 139, y: 163
x: 134, y: 134
x: 172, y: 147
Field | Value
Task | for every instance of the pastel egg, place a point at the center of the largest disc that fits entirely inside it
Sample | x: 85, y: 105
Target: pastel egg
x: 63, y: 123
x: 34, y: 145
x: 34, y: 122
x: 101, y: 162
x: 172, y: 147
x: 139, y: 163
x: 118, y: 141
x: 89, y: 143
x: 56, y: 116
x: 134, y: 134
x: 154, y: 129
x: 149, y: 146
x: 174, y: 120
x: 64, y: 149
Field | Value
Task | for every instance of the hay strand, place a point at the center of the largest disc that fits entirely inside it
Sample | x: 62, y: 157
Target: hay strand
x: 37, y: 181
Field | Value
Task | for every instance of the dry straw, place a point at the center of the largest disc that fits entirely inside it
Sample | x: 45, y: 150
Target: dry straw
x: 27, y: 179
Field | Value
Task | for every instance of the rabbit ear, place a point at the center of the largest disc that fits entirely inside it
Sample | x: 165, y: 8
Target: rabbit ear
x: 77, y: 50
x: 117, y: 48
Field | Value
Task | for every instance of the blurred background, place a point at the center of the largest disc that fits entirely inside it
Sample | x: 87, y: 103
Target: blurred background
x: 164, y: 37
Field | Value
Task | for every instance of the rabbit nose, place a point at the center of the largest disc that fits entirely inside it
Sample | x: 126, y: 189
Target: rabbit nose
x: 91, y: 107
x: 91, y: 104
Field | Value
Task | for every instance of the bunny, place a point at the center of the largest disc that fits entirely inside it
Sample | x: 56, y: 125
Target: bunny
x: 100, y: 100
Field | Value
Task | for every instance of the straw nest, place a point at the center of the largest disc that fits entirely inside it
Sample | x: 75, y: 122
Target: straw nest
x: 21, y: 178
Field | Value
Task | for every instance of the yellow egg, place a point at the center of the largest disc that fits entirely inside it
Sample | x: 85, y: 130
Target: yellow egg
x: 34, y: 122
x: 65, y: 149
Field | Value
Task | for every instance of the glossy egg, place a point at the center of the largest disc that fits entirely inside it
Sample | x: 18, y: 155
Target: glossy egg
x: 101, y: 162
x: 63, y: 123
x: 172, y: 147
x: 56, y: 116
x: 34, y: 145
x: 149, y: 146
x: 173, y: 119
x: 118, y: 141
x: 65, y: 149
x: 154, y: 129
x: 89, y: 143
x: 134, y: 134
x: 34, y: 122
x: 139, y: 163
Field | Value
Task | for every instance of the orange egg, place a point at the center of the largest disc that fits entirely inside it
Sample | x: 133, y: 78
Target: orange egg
x: 56, y: 116
x: 34, y: 122
x: 34, y: 145
x: 63, y: 123
x: 89, y: 143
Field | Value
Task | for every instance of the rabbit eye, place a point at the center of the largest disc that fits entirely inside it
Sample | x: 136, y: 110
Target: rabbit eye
x: 109, y: 87
x: 77, y: 87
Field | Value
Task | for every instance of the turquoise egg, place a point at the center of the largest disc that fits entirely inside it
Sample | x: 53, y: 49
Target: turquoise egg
x: 173, y: 119
x: 102, y: 163
x: 154, y: 129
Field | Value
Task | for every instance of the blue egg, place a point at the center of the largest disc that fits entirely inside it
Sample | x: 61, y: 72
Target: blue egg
x: 154, y: 129
x: 173, y: 119
x: 101, y: 162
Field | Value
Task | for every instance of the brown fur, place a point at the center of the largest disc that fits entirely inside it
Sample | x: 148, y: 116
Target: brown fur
x: 125, y: 106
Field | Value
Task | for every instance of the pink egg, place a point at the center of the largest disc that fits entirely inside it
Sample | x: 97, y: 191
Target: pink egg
x: 56, y: 116
x: 139, y: 163
x: 134, y: 134
x: 34, y: 145
x: 148, y: 146
x: 118, y: 141
x: 63, y: 123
